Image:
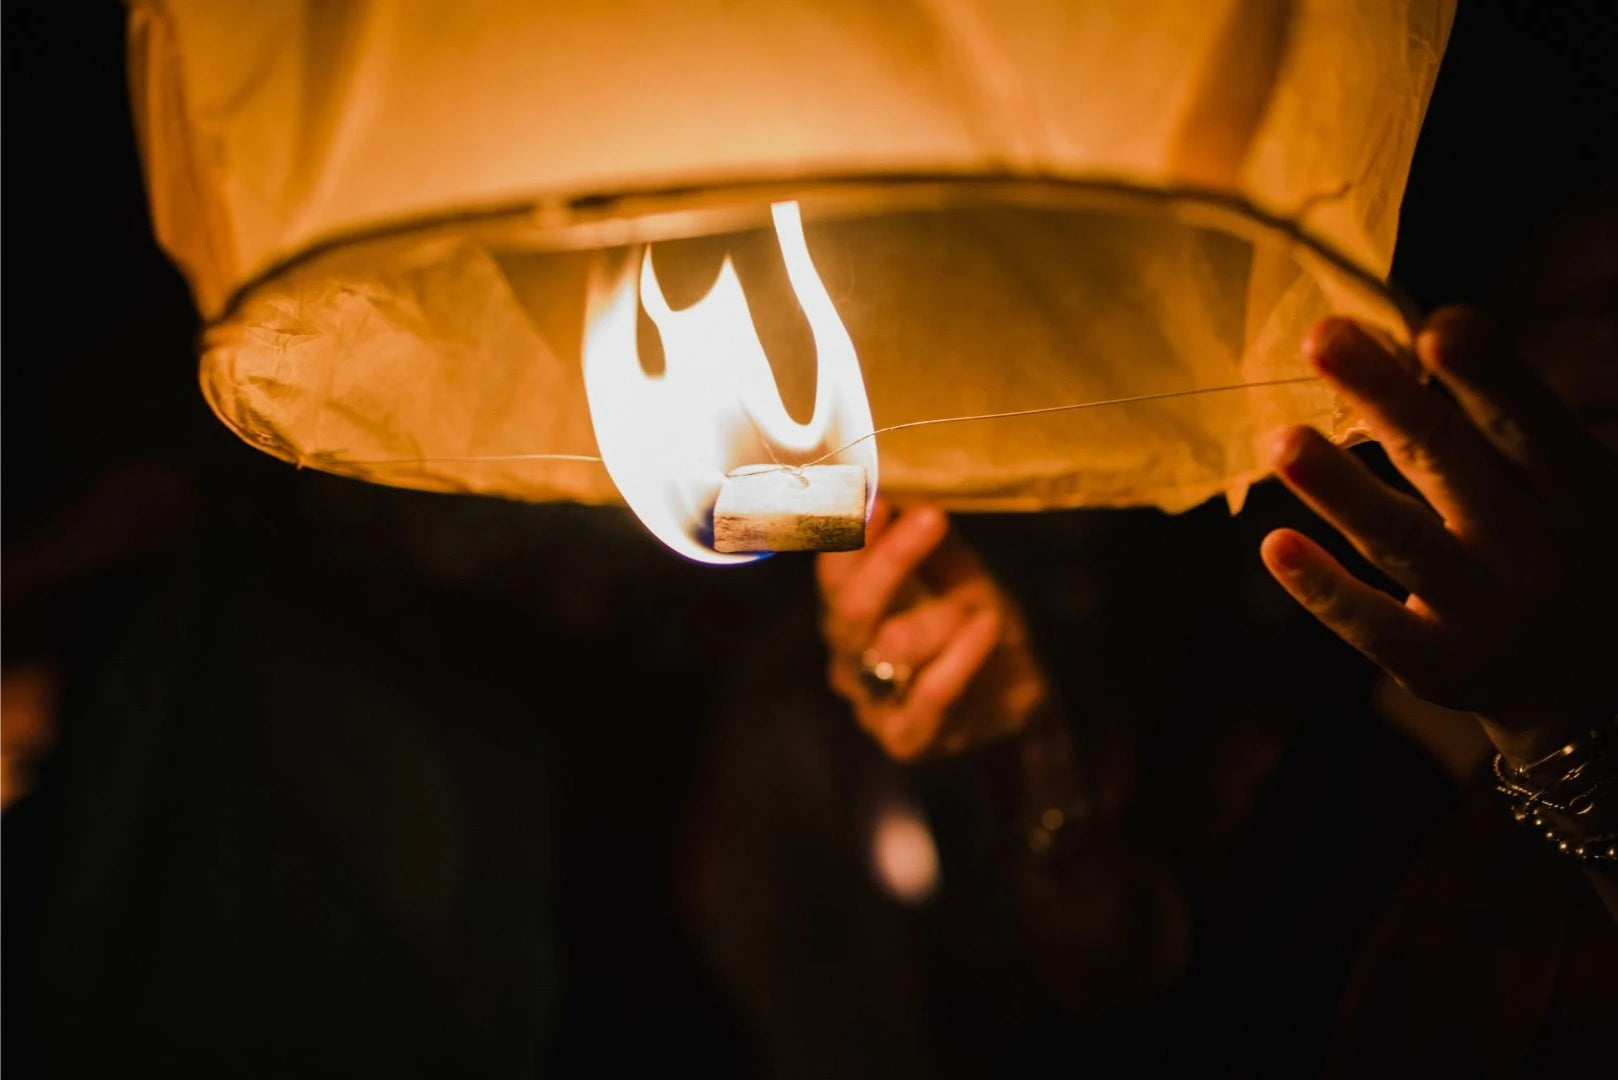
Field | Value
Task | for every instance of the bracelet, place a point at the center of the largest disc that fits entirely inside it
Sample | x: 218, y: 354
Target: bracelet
x: 1593, y: 744
x: 1577, y: 804
x: 1590, y: 850
x: 1584, y: 766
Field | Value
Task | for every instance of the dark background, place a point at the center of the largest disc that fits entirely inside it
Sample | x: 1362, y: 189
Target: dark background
x: 363, y: 776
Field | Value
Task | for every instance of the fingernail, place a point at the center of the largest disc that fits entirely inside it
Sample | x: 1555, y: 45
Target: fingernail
x: 926, y: 518
x: 1449, y: 340
x: 1328, y: 342
x: 1286, y: 554
x: 1288, y: 447
x: 1296, y: 452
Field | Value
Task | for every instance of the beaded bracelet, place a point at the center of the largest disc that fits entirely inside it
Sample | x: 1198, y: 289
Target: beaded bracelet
x: 1590, y: 850
x: 1586, y: 765
x: 1577, y: 804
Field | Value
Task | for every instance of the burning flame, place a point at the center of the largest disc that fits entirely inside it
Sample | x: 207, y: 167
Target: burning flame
x: 669, y: 440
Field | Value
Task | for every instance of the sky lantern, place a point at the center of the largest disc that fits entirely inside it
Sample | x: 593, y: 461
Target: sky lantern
x: 741, y: 266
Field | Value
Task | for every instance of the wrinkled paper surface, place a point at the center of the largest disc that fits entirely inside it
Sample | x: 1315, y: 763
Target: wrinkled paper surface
x: 385, y: 213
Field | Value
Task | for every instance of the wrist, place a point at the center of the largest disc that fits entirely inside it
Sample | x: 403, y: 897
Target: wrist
x: 1522, y: 740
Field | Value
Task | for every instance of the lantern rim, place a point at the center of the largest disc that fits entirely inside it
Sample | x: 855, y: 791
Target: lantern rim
x: 602, y: 220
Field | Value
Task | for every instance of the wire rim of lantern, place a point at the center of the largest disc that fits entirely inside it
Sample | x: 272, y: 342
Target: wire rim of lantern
x: 625, y: 220
x: 593, y: 221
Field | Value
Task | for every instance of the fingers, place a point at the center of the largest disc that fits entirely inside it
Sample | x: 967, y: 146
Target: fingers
x: 913, y: 728
x: 911, y: 640
x: 1399, y: 535
x: 861, y: 587
x: 916, y: 635
x: 1386, y: 631
x: 918, y: 597
x: 1515, y: 410
x: 1427, y: 438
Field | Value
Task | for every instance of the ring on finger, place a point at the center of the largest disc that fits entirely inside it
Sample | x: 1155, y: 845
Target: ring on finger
x: 883, y: 680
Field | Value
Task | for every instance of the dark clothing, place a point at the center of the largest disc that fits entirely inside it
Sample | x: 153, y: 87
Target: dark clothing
x: 1496, y: 958
x: 268, y: 845
x: 331, y: 815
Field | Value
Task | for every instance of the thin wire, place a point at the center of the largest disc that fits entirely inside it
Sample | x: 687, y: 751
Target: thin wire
x: 474, y: 457
x: 1062, y: 408
x: 885, y: 430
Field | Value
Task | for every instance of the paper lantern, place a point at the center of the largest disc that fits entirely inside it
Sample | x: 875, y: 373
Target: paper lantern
x: 1053, y: 254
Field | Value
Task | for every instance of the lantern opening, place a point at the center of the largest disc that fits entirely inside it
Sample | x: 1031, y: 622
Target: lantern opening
x: 451, y: 356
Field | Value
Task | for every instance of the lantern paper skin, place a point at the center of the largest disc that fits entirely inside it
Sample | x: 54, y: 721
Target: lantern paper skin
x: 388, y: 214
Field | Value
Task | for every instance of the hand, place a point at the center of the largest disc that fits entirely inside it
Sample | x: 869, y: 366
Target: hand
x: 917, y: 597
x: 1512, y: 607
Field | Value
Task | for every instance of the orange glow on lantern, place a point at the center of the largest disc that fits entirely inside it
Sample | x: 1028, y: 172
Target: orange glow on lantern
x: 1073, y: 245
